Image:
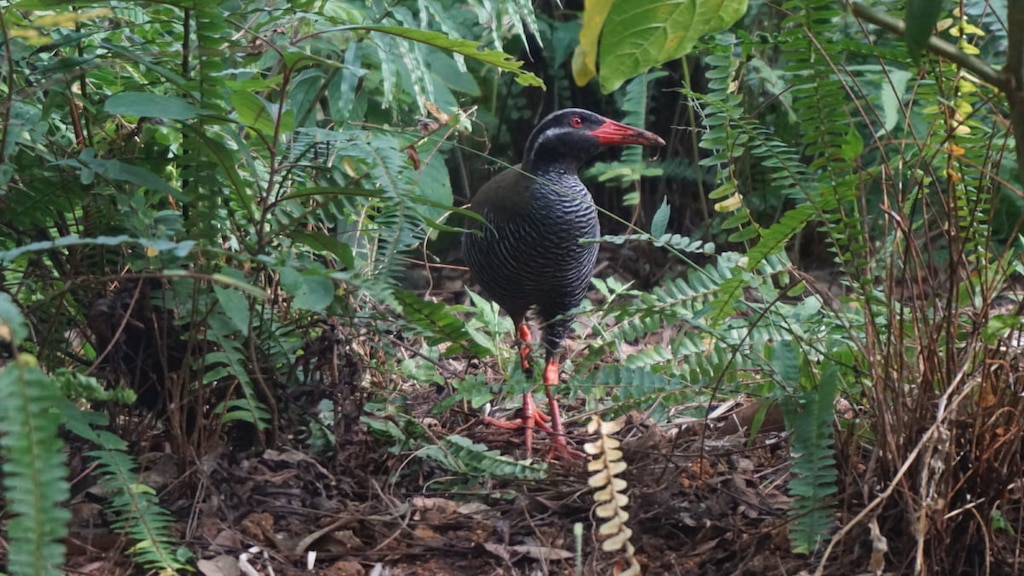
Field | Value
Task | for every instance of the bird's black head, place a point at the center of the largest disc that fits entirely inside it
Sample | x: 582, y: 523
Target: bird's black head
x: 573, y: 135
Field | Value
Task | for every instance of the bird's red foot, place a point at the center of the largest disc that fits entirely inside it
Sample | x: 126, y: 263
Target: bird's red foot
x: 530, y: 417
x: 539, y: 420
x: 560, y: 451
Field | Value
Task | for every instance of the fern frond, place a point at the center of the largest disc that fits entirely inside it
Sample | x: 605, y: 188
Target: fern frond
x: 809, y: 417
x: 436, y: 321
x: 137, y: 513
x: 231, y: 361
x: 630, y: 167
x: 462, y: 455
x: 609, y: 491
x: 34, y: 472
x: 388, y: 218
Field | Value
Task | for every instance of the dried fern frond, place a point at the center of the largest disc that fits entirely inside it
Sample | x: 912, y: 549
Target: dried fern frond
x: 609, y: 492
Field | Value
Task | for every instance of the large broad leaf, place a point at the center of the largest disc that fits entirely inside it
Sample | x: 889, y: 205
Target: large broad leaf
x: 584, y: 59
x: 311, y: 291
x: 123, y: 172
x: 234, y: 302
x: 147, y: 105
x: 178, y: 249
x: 660, y: 221
x: 13, y: 328
x: 259, y: 114
x: 921, y: 18
x: 639, y: 34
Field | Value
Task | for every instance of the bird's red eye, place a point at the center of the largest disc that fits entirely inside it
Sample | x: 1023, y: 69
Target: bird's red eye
x: 576, y: 122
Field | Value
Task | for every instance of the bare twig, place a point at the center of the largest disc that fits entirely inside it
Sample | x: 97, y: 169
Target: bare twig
x: 927, y: 441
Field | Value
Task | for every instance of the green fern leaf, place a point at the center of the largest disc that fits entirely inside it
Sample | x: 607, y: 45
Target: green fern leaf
x: 439, y: 325
x: 809, y: 416
x: 138, y: 514
x: 462, y: 455
x: 35, y: 474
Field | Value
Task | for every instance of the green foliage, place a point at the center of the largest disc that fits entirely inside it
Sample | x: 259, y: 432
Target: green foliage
x: 852, y: 130
x: 467, y: 458
x: 253, y: 169
x: 631, y: 166
x: 398, y: 208
x: 708, y: 339
x: 35, y: 474
x: 271, y: 166
x: 465, y: 48
x: 35, y: 479
x: 439, y: 324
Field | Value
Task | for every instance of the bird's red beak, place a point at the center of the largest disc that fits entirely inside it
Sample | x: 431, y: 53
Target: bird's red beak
x: 612, y: 133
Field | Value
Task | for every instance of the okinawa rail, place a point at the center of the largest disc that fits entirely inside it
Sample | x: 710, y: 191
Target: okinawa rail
x: 529, y: 251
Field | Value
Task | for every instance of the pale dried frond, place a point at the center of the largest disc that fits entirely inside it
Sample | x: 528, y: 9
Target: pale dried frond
x: 609, y: 493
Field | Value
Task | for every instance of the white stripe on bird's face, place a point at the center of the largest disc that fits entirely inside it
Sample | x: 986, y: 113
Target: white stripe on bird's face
x: 563, y: 137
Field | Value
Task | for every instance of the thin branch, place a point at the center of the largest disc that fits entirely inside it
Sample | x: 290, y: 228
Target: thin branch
x: 936, y: 45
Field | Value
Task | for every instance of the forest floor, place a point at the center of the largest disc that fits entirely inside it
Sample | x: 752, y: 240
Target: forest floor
x: 706, y: 498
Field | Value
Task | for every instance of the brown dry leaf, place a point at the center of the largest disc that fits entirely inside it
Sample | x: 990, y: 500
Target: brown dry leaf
x: 703, y: 547
x: 86, y: 514
x: 426, y: 533
x: 499, y: 550
x: 778, y: 500
x: 338, y: 542
x: 283, y: 477
x: 228, y: 538
x: 161, y: 469
x: 259, y: 527
x: 99, y: 568
x: 222, y: 565
x: 344, y: 568
x: 473, y: 508
x: 442, y: 505
x: 348, y: 537
x: 294, y: 457
x: 699, y: 470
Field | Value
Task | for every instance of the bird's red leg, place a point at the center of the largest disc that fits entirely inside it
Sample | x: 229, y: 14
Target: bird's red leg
x: 560, y: 447
x: 530, y: 416
x: 524, y: 358
x: 524, y: 346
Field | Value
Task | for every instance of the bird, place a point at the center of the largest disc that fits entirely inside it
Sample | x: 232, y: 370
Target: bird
x: 527, y: 249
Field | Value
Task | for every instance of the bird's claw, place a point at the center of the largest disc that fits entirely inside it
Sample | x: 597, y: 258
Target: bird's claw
x: 530, y: 417
x: 539, y: 421
x: 560, y: 451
